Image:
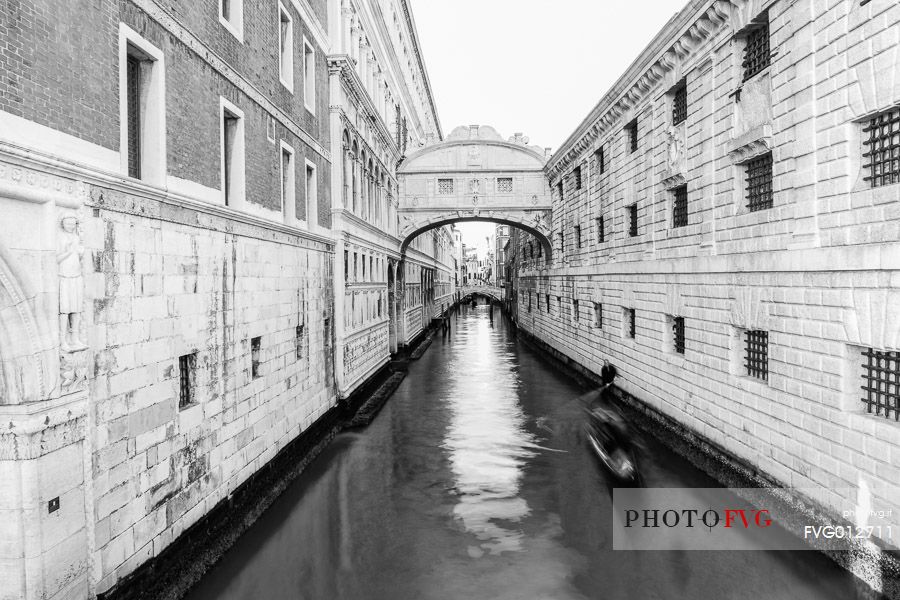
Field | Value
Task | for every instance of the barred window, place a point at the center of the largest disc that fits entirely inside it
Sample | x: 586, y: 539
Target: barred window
x: 547, y: 301
x: 882, y: 149
x: 598, y: 315
x: 601, y: 235
x: 574, y: 310
x: 445, y: 186
x: 633, y: 220
x: 756, y: 51
x: 299, y: 337
x: 504, y: 185
x: 601, y: 160
x: 529, y: 301
x: 578, y: 235
x: 678, y: 334
x: 632, y: 132
x: 881, y: 383
x: 559, y: 190
x: 679, y: 104
x: 759, y: 182
x: 630, y: 323
x: 186, y: 366
x: 680, y: 206
x: 255, y: 345
x: 756, y: 358
x: 577, y: 175
x: 133, y: 115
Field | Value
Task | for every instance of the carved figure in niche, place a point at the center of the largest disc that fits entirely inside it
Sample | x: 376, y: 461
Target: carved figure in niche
x: 675, y: 148
x: 475, y: 186
x: 71, y: 285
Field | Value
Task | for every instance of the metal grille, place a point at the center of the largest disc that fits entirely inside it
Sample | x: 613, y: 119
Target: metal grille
x: 882, y: 149
x: 759, y: 182
x: 575, y: 310
x: 578, y: 235
x: 547, y: 301
x: 255, y: 344
x: 559, y: 190
x: 504, y: 185
x: 881, y: 383
x: 679, y: 105
x: 631, y: 323
x: 185, y: 375
x: 601, y: 160
x: 601, y: 235
x: 678, y: 334
x: 632, y: 130
x: 133, y: 101
x: 756, y: 53
x: 298, y: 340
x: 757, y: 357
x: 577, y: 173
x: 598, y: 315
x: 680, y: 206
x: 633, y: 220
x: 445, y: 186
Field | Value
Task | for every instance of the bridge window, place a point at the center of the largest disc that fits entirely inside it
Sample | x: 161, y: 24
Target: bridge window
x: 881, y: 383
x: 504, y: 185
x: 631, y: 133
x: 633, y: 220
x: 680, y: 206
x: 577, y: 175
x: 187, y: 366
x: 598, y: 315
x: 601, y: 235
x: 255, y: 345
x: 759, y: 182
x: 445, y: 186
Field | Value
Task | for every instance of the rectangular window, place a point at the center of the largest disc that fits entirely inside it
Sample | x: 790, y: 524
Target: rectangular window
x: 559, y: 190
x: 631, y: 132
x: 547, y: 300
x: 309, y: 76
x: 311, y: 197
x: 577, y: 175
x: 231, y: 16
x: 578, y: 235
x: 232, y: 154
x: 678, y: 334
x: 633, y: 220
x: 285, y: 47
x: 679, y: 104
x: 298, y: 341
x: 505, y: 185
x: 601, y: 234
x: 756, y: 358
x: 881, y: 149
x: 680, y: 206
x: 598, y: 315
x: 630, y: 323
x: 133, y: 103
x: 759, y: 182
x: 288, y: 189
x: 255, y: 345
x: 186, y: 367
x: 529, y: 301
x: 756, y: 50
x: 445, y: 186
x: 142, y: 108
x: 601, y: 160
x: 575, y: 310
x: 881, y: 383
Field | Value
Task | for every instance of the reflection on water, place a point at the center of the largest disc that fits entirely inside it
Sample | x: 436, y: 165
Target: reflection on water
x: 486, y: 440
x: 472, y: 482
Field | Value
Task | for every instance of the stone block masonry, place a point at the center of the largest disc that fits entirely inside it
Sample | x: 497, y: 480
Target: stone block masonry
x: 788, y: 241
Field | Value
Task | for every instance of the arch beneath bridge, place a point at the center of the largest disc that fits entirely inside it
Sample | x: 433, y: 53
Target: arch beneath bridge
x: 475, y: 175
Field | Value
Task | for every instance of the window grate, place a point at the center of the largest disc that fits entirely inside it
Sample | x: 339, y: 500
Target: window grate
x: 601, y: 162
x: 601, y: 235
x: 298, y: 341
x: 678, y: 334
x: 578, y: 235
x: 759, y: 182
x: 186, y: 365
x: 679, y: 105
x: 133, y: 101
x: 577, y: 175
x: 757, y: 357
x: 881, y: 383
x: 633, y: 220
x: 632, y: 130
x: 680, y: 206
x: 255, y: 344
x: 575, y: 310
x: 445, y: 186
x: 882, y: 149
x: 559, y: 191
x: 756, y: 52
x: 598, y: 315
x: 505, y: 185
x: 631, y: 322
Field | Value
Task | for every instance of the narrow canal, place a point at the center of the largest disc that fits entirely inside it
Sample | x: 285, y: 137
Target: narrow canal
x: 473, y: 482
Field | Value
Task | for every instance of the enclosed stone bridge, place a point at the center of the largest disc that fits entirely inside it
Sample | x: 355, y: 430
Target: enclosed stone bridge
x: 475, y: 175
x: 488, y: 291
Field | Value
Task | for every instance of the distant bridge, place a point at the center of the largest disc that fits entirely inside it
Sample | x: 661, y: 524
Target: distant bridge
x: 489, y: 291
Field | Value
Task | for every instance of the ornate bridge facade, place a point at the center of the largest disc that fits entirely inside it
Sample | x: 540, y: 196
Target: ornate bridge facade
x: 475, y: 175
x: 489, y: 291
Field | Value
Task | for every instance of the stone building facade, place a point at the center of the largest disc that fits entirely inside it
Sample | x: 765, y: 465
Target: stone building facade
x: 725, y: 230
x: 170, y: 248
x: 383, y: 109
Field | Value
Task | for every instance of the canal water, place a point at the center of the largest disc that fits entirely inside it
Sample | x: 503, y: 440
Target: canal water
x: 474, y: 483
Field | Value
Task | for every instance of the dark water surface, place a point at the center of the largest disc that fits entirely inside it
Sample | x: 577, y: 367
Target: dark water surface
x: 473, y: 482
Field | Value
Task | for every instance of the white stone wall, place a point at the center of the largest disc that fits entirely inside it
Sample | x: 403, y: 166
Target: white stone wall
x: 818, y: 270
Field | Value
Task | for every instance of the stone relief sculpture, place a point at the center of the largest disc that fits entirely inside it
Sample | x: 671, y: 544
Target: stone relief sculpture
x: 674, y: 149
x: 71, y: 285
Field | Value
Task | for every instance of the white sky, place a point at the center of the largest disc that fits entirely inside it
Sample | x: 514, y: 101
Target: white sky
x: 531, y: 66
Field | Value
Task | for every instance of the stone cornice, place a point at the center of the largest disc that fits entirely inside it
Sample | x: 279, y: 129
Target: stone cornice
x: 672, y: 46
x: 29, y: 431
